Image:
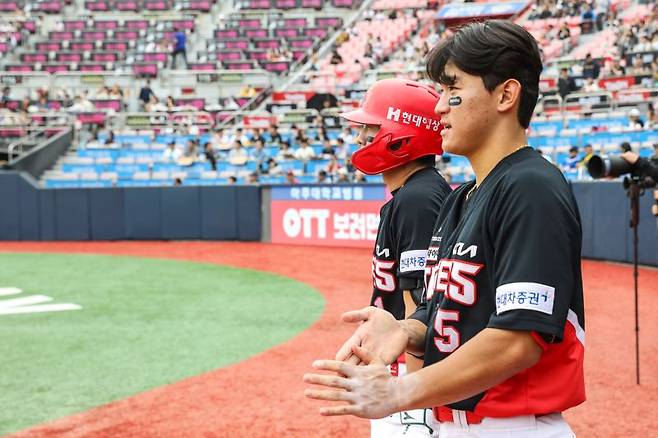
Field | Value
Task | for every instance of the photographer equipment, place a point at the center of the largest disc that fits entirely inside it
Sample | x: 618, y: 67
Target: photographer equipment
x: 635, y: 184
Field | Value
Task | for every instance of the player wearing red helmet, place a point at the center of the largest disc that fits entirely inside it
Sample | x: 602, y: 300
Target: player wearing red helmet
x: 399, y: 138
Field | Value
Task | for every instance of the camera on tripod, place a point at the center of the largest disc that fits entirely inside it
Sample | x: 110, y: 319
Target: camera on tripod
x: 613, y: 166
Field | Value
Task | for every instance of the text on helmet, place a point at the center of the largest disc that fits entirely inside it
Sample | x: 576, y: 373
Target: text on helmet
x: 413, y: 119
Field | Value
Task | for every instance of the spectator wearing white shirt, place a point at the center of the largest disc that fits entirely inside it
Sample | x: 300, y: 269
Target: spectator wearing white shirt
x: 304, y: 152
x: 237, y: 155
x: 171, y: 153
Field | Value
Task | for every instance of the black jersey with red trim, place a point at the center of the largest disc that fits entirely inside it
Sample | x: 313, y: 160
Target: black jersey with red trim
x: 507, y: 256
x: 406, y: 223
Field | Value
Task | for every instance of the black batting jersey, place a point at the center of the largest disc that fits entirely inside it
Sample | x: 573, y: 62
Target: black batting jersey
x: 508, y: 257
x: 405, y: 226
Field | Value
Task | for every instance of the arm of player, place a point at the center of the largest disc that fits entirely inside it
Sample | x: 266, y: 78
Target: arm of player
x: 489, y: 358
x: 382, y: 335
x: 413, y: 361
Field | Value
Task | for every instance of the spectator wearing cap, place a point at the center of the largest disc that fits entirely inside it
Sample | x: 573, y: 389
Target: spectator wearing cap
x: 171, y: 153
x: 635, y: 120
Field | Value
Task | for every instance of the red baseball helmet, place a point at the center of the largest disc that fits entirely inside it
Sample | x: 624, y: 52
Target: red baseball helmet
x: 408, y: 126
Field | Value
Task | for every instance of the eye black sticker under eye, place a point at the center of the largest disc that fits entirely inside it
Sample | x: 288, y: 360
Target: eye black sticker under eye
x: 454, y: 101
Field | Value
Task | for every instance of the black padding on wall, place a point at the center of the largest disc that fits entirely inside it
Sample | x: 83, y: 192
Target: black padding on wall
x: 181, y: 213
x: 142, y: 213
x: 10, y: 215
x: 218, y: 213
x: 29, y: 210
x: 72, y: 214
x: 106, y: 214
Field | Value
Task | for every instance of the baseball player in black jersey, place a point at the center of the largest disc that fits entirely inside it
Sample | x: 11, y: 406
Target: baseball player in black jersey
x: 502, y: 325
x: 399, y: 138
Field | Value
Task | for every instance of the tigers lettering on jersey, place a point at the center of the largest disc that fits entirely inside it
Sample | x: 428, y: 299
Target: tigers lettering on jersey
x: 383, y: 275
x: 454, y: 278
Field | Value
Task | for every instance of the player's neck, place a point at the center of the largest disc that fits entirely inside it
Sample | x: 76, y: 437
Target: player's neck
x: 491, y: 152
x: 397, y: 177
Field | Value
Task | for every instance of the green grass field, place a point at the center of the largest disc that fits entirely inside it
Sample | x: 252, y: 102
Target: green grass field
x: 143, y: 323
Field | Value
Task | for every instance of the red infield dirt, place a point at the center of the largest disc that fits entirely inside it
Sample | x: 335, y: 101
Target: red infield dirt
x: 263, y: 396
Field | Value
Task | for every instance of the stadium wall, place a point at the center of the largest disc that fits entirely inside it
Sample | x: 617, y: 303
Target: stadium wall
x: 251, y: 213
x: 149, y: 213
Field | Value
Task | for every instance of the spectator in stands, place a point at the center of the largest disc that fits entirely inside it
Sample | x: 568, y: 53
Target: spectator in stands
x: 589, y: 153
x: 566, y: 83
x: 145, y: 94
x: 342, y: 149
x: 304, y: 152
x: 252, y: 178
x: 564, y: 33
x: 323, y: 178
x: 180, y: 48
x: 275, y: 136
x: 247, y: 91
x: 259, y: 155
x: 587, y: 19
x: 232, y: 180
x: 222, y: 139
x: 103, y: 93
x: 210, y: 155
x: 616, y: 69
x: 272, y: 168
x: 240, y: 135
x: 190, y: 155
x: 348, y: 136
x: 635, y: 120
x: 171, y: 153
x: 590, y: 86
x: 625, y: 147
x: 171, y: 105
x: 291, y: 178
x: 335, y: 58
x: 285, y: 152
x: 343, y: 178
x: 327, y: 150
x: 94, y: 142
x: 4, y: 99
x: 573, y: 159
x: 360, y: 177
x: 591, y: 68
x: 81, y: 104
x: 333, y: 167
x: 110, y: 141
x: 652, y: 117
x: 638, y: 68
x: 178, y: 181
x: 237, y: 155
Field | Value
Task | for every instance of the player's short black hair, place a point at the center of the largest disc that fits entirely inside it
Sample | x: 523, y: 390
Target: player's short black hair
x: 426, y: 161
x: 495, y: 50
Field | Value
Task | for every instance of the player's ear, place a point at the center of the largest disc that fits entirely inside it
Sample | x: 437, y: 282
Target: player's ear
x: 508, y: 95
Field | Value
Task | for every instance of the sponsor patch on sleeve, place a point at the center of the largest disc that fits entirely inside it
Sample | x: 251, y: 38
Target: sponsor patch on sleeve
x: 413, y: 260
x: 525, y: 296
